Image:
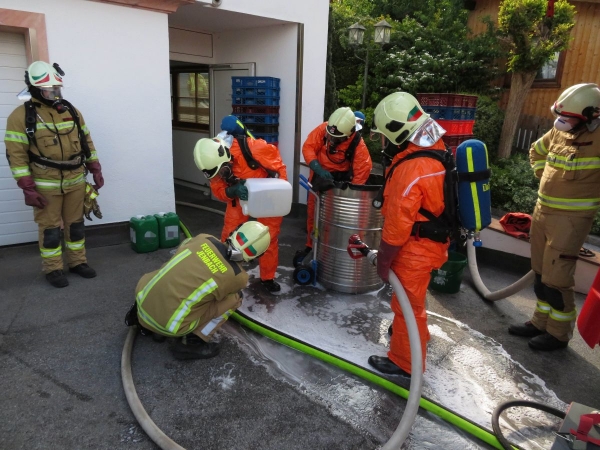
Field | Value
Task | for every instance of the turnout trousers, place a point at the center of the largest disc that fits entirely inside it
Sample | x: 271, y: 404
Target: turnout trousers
x: 65, y: 209
x: 555, y: 243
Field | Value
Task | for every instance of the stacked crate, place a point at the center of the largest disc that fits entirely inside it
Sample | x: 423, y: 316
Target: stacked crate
x: 454, y: 112
x: 255, y: 101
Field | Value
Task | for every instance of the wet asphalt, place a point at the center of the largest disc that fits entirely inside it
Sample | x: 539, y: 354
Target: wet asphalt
x: 60, y: 356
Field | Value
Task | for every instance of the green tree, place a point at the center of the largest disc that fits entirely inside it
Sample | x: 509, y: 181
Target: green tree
x: 532, y: 39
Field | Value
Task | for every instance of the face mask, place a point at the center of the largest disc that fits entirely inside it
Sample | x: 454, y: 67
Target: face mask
x: 228, y: 138
x: 562, y: 124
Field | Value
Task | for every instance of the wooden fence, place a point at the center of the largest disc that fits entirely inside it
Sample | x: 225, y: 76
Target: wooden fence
x: 530, y: 129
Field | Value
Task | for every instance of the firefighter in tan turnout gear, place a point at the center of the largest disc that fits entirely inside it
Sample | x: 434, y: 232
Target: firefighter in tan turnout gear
x: 49, y: 150
x: 197, y: 290
x: 567, y: 161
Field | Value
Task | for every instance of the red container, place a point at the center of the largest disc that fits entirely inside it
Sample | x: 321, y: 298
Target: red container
x: 457, y: 126
x: 469, y: 101
x: 440, y: 100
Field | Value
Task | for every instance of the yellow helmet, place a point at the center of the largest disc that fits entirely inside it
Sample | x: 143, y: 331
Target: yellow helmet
x: 581, y: 101
x: 251, y: 239
x: 210, y: 155
x: 398, y: 116
x: 341, y: 123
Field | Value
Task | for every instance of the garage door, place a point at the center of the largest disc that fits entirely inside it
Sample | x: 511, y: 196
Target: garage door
x: 16, y: 218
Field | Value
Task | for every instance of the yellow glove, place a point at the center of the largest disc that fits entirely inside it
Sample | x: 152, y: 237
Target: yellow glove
x: 90, y: 204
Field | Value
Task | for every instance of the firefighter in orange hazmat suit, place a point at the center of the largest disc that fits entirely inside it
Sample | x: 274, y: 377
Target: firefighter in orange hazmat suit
x: 50, y: 151
x: 196, y: 291
x: 567, y: 161
x: 334, y: 151
x: 406, y: 246
x: 227, y: 168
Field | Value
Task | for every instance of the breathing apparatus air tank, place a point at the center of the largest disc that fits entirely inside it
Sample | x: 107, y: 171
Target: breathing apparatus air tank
x: 474, y: 199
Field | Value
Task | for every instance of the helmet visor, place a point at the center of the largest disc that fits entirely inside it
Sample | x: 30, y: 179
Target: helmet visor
x: 335, y: 140
x: 51, y: 92
x: 209, y: 173
x: 333, y: 131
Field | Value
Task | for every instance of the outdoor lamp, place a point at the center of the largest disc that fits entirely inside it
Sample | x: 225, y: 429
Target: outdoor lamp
x: 382, y: 32
x: 356, y: 33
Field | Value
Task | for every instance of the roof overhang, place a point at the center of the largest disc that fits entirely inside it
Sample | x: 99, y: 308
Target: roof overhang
x: 165, y: 6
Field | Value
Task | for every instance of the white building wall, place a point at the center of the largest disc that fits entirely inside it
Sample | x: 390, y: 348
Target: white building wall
x: 274, y: 52
x: 117, y: 74
x: 314, y: 15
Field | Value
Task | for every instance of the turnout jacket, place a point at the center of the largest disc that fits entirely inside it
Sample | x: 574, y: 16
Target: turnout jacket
x: 170, y: 300
x: 568, y: 166
x: 57, y: 139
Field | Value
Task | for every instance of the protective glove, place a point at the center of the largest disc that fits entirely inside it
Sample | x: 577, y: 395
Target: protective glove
x: 385, y: 256
x: 96, y: 170
x: 32, y: 196
x: 318, y: 169
x: 237, y: 190
x: 90, y: 204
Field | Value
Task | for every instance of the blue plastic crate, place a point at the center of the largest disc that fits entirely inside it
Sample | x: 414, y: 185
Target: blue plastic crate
x: 467, y: 113
x: 269, y: 137
x: 255, y: 91
x: 247, y: 100
x: 269, y: 82
x: 267, y: 119
x: 444, y: 112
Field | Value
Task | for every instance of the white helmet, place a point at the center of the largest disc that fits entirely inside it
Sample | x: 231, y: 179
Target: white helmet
x: 251, y: 239
x: 341, y: 123
x: 210, y: 155
x: 581, y: 101
x: 46, y: 78
x: 398, y: 116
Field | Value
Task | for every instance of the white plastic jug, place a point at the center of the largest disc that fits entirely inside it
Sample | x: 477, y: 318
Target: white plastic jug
x: 267, y: 197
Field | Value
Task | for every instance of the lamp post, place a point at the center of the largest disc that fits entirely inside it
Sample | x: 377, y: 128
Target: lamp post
x: 356, y: 34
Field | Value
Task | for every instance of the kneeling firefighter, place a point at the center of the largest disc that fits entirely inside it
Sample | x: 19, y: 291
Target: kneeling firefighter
x: 567, y: 161
x: 196, y: 291
x: 49, y: 150
x: 413, y: 243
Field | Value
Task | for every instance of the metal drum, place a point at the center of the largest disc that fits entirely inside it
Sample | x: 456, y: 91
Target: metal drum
x: 342, y: 213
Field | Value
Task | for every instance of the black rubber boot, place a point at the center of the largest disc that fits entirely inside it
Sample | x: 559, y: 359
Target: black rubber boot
x: 192, y: 347
x: 526, y: 329
x: 57, y: 279
x: 384, y: 365
x: 155, y: 336
x: 547, y: 342
x: 271, y: 285
x: 83, y: 270
x: 300, y: 255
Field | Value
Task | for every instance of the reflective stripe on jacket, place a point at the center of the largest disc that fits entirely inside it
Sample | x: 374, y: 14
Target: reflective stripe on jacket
x: 57, y: 138
x: 170, y: 299
x: 569, y: 168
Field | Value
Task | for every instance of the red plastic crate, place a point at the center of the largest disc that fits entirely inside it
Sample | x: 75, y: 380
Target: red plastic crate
x: 456, y: 139
x: 440, y: 99
x: 457, y: 126
x: 469, y: 101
